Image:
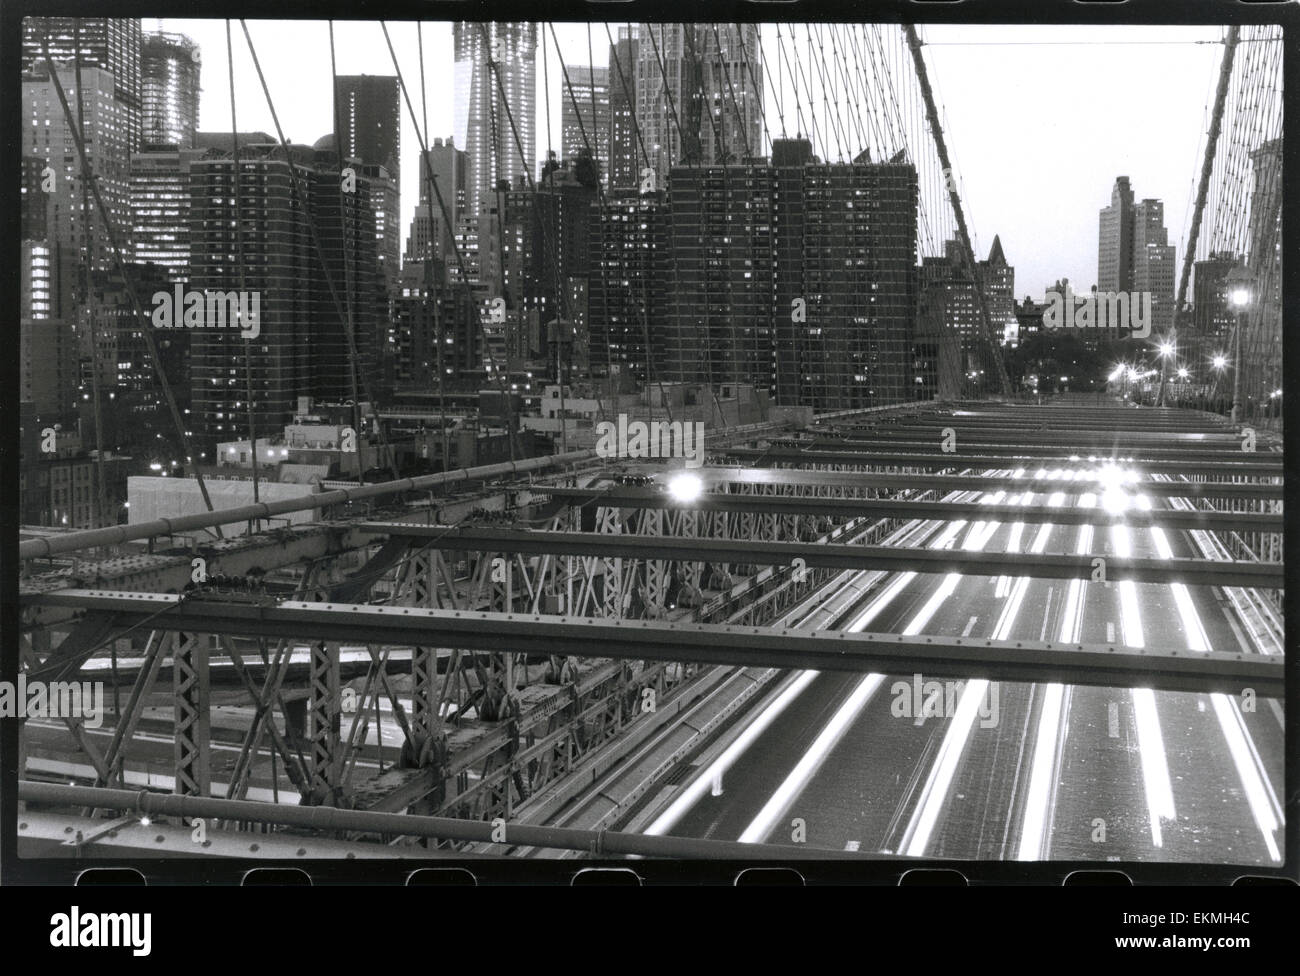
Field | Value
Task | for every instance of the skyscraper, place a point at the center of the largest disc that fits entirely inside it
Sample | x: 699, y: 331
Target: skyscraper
x: 169, y: 82
x: 47, y: 352
x: 584, y: 115
x: 1115, y: 240
x: 368, y: 117
x: 160, y: 208
x: 34, y: 222
x: 495, y: 79
x: 430, y: 230
x: 699, y: 98
x: 112, y: 44
x: 545, y: 246
x: 1134, y: 255
x: 624, y: 151
x: 1153, y: 263
x: 1212, y: 314
x: 72, y: 216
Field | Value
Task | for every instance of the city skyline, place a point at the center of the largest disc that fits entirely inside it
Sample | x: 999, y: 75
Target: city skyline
x: 1079, y: 112
x: 653, y: 504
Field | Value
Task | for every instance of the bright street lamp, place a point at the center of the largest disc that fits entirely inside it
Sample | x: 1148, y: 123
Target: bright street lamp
x: 685, y: 487
x: 1239, y: 294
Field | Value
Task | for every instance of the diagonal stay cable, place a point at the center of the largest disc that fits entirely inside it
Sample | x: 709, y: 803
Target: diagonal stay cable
x: 302, y: 195
x: 460, y: 259
x: 126, y: 277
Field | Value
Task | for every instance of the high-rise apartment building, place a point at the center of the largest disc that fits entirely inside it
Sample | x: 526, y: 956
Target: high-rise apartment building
x: 169, y: 89
x: 798, y: 279
x: 302, y: 346
x: 627, y: 287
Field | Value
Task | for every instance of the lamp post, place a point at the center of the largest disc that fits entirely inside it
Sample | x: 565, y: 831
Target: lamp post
x: 1239, y: 296
x: 1219, y: 362
x: 1167, y: 350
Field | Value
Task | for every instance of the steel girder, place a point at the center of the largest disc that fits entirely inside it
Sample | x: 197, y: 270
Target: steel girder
x: 784, y: 647
x: 794, y: 506
x: 330, y: 819
x: 980, y: 456
x: 847, y: 473
x: 837, y: 556
x: 192, y: 703
x: 1260, y: 463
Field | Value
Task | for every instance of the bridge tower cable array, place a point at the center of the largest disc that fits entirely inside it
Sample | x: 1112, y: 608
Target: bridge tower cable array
x: 968, y: 254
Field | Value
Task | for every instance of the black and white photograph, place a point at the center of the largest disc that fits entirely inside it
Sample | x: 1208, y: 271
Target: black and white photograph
x: 464, y: 442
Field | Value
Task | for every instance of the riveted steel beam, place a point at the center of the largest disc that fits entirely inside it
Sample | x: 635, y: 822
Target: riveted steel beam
x: 786, y: 647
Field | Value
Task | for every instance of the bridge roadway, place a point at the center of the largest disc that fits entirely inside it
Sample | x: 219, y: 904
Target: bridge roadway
x: 1012, y: 771
x: 1087, y: 773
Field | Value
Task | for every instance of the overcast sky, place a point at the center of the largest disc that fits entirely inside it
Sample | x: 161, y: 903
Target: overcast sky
x: 1039, y: 120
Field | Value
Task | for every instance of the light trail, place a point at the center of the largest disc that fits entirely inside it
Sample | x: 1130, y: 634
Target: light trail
x: 1033, y: 831
x: 1263, y: 803
x: 1155, y: 765
x: 1042, y: 769
x: 794, y: 784
x: 934, y: 794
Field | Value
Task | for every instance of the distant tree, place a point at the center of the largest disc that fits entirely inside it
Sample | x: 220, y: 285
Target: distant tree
x: 586, y: 169
x: 551, y: 164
